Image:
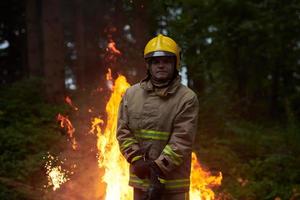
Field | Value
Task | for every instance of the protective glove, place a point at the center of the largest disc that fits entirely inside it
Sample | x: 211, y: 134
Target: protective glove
x: 156, y: 171
x: 156, y: 188
x: 141, y: 168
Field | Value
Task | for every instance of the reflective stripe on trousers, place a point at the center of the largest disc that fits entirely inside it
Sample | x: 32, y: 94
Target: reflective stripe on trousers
x: 169, y: 184
x: 139, y: 195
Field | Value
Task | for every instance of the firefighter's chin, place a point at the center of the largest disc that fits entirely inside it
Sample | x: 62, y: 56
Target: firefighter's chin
x: 162, y: 76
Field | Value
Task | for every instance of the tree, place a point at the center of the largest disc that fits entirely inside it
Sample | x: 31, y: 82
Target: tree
x: 53, y: 49
x: 34, y: 38
x: 250, y: 47
x: 12, y: 41
x: 80, y: 42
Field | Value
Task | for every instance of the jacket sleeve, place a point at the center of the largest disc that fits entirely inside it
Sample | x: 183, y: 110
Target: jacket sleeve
x: 127, y: 142
x: 180, y: 144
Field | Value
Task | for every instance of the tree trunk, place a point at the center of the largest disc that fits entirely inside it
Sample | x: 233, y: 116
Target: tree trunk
x: 53, y: 50
x: 274, y: 92
x: 94, y: 18
x: 34, y: 38
x: 241, y: 75
x: 79, y: 64
x: 140, y: 31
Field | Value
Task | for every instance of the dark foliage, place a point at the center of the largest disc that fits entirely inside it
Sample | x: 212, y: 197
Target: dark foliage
x: 27, y: 132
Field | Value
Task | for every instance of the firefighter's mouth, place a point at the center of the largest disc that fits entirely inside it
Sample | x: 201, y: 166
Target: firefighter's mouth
x: 161, y: 72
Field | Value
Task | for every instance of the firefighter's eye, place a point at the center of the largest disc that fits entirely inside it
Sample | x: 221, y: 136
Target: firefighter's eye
x: 155, y: 62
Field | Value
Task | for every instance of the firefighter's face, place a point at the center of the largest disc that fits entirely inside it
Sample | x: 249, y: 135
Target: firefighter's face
x: 162, y: 68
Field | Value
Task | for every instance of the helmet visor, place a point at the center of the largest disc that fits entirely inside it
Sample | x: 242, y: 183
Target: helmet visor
x: 159, y: 54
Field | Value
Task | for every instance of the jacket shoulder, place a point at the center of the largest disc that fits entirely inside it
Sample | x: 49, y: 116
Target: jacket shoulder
x: 132, y: 90
x: 187, y: 93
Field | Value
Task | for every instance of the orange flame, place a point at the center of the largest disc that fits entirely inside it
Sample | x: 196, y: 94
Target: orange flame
x: 116, y: 175
x: 116, y: 168
x: 109, y: 79
x: 70, y: 103
x: 112, y: 48
x: 66, y: 123
x: 202, y: 181
x: 108, y: 75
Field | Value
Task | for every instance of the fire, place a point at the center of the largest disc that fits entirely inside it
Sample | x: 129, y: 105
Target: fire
x: 96, y: 125
x: 108, y: 75
x: 112, y: 48
x: 66, y: 123
x: 202, y: 181
x: 56, y: 175
x: 70, y: 103
x: 116, y: 168
x: 109, y: 79
x: 110, y: 159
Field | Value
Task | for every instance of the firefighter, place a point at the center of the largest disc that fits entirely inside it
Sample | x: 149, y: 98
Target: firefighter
x: 157, y: 124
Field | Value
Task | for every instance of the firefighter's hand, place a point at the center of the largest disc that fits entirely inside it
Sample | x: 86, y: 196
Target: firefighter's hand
x: 156, y: 170
x: 155, y: 191
x: 141, y: 168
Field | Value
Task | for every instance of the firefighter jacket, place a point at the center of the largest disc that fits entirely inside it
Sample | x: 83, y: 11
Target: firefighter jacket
x: 164, y: 121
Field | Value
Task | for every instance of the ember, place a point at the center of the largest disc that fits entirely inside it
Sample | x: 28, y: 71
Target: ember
x: 55, y: 174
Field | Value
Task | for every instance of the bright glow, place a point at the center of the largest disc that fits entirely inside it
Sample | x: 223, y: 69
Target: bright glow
x: 208, y: 40
x: 4, y: 45
x: 202, y: 181
x: 112, y: 48
x: 70, y: 80
x: 116, y: 167
x: 183, y: 74
x: 57, y: 177
x: 110, y: 159
x: 55, y: 174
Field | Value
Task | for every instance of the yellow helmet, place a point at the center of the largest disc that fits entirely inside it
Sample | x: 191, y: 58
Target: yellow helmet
x: 162, y: 46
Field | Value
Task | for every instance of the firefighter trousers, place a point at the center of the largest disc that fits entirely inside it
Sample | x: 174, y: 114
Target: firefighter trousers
x: 139, y: 194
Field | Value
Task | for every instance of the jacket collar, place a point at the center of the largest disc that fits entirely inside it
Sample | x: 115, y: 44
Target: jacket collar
x: 147, y: 85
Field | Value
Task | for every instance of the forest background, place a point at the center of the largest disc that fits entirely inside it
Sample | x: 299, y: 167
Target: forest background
x: 242, y: 58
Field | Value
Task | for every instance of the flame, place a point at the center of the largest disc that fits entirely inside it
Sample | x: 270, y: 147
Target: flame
x: 70, y: 103
x: 66, y: 123
x: 108, y: 75
x: 109, y: 79
x: 116, y: 168
x: 112, y: 52
x: 202, y: 181
x: 112, y: 48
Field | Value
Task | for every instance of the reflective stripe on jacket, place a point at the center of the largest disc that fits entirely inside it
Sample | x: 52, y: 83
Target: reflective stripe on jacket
x: 165, y: 121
